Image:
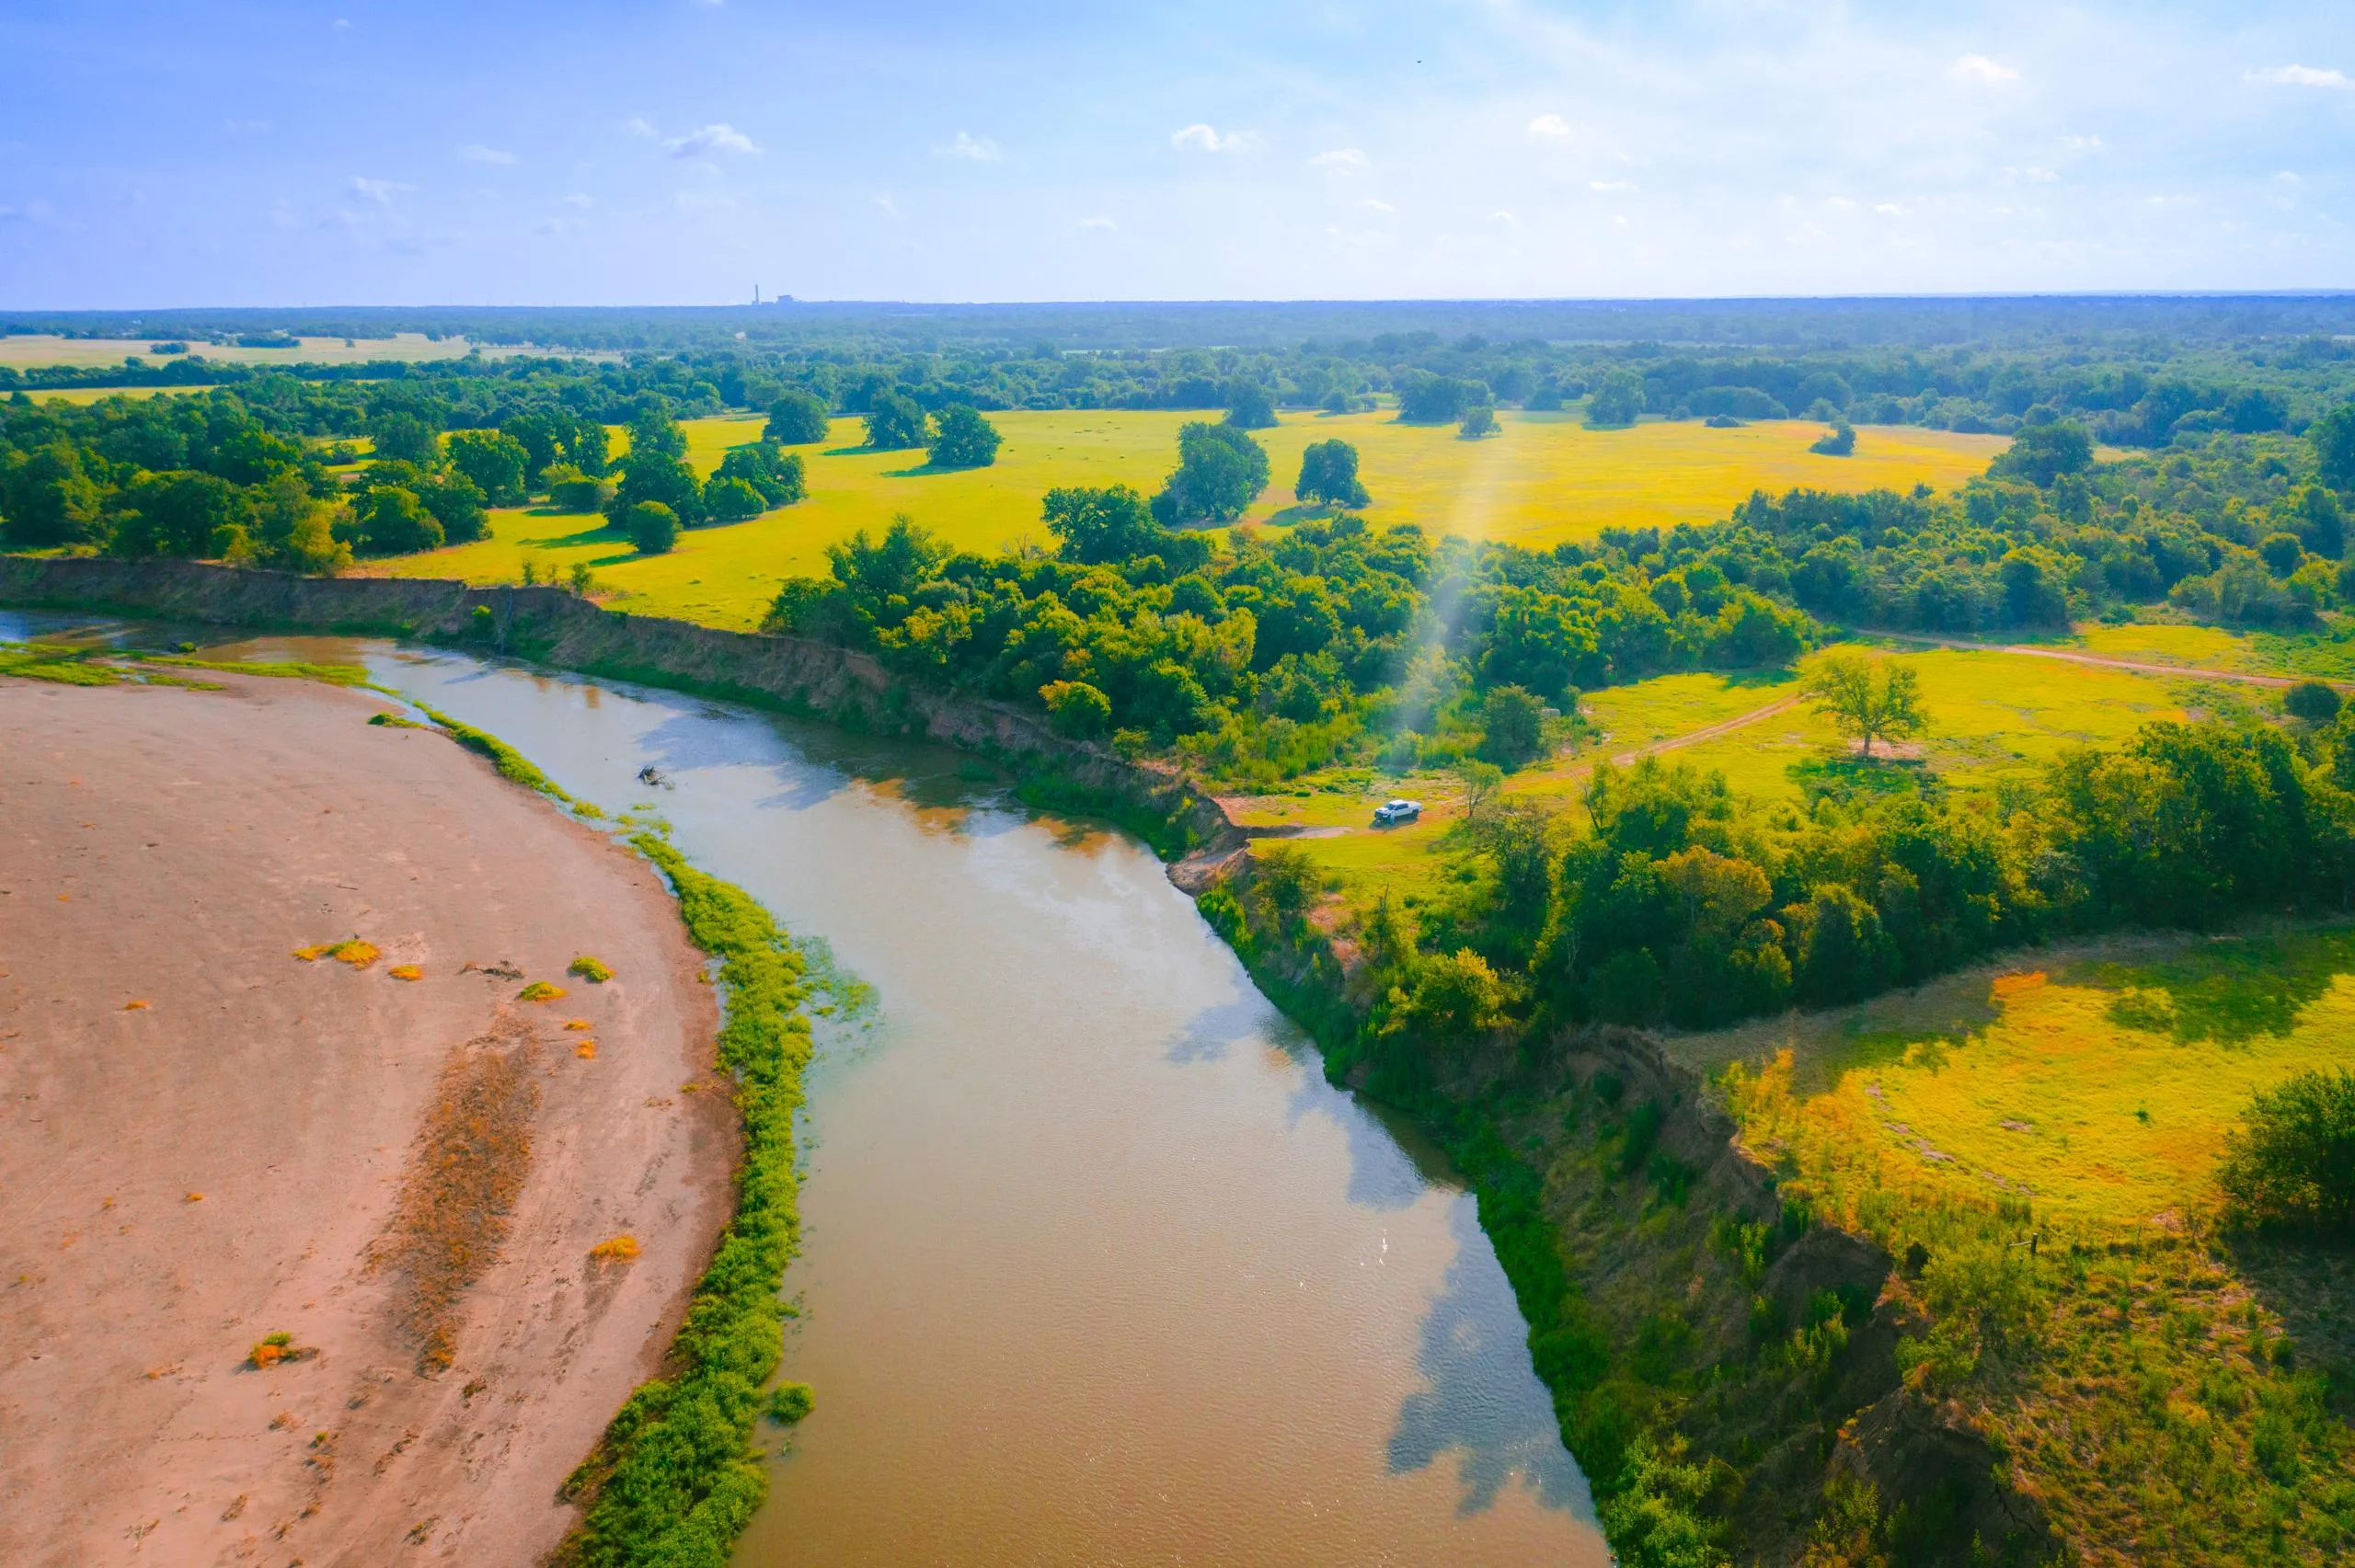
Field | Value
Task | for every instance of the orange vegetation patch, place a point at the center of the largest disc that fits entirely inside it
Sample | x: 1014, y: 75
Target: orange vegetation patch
x: 586, y: 1050
x: 195, y: 1197
x: 621, y: 1249
x: 2015, y: 985
x: 356, y: 953
x: 579, y: 1024
x: 134, y: 1007
x: 406, y: 972
x: 539, y: 990
x: 277, y: 1347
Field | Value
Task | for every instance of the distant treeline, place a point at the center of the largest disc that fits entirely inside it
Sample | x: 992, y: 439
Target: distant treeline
x: 2138, y: 371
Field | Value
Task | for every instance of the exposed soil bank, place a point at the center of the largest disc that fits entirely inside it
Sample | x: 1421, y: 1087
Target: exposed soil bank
x: 242, y: 1155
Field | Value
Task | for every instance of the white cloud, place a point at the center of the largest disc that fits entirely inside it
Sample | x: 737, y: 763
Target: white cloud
x: 1096, y: 224
x: 244, y: 127
x: 1552, y: 125
x: 1204, y: 138
x: 888, y: 205
x: 1501, y: 216
x: 717, y: 137
x: 1981, y: 70
x: 1340, y: 158
x: 380, y: 191
x: 1889, y: 210
x: 1611, y: 185
x: 476, y: 153
x: 2035, y: 175
x: 2301, y: 76
x: 341, y: 25
x: 2287, y: 177
x: 979, y: 149
x: 578, y: 199
x: 1371, y: 205
x: 2082, y: 143
x: 638, y: 125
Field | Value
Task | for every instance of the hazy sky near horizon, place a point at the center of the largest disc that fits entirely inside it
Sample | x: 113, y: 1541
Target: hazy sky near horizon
x: 616, y: 152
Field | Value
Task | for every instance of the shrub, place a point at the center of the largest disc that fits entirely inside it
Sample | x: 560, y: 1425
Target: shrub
x: 406, y: 972
x: 539, y: 990
x: 2292, y: 1162
x: 1839, y: 441
x: 1479, y: 420
x: 621, y: 1249
x: 791, y: 1403
x: 652, y: 527
x: 2316, y: 702
x: 730, y: 500
x: 589, y: 970
x: 1077, y: 708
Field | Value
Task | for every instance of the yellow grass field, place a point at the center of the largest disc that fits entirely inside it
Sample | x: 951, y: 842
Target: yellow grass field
x: 2099, y: 1082
x: 85, y: 396
x: 25, y: 351
x: 1547, y: 478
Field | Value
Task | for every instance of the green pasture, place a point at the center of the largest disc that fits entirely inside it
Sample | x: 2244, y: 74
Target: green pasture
x: 28, y: 350
x: 1547, y: 478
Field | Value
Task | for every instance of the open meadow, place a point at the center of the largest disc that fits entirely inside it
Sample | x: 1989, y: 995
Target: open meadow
x: 1544, y: 479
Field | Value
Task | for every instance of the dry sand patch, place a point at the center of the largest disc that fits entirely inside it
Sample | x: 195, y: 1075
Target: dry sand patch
x: 254, y: 1150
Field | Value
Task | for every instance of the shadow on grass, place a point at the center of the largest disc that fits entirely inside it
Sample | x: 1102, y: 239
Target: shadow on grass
x: 1845, y: 779
x: 2310, y: 1284
x: 864, y: 450
x: 2231, y: 992
x: 928, y: 470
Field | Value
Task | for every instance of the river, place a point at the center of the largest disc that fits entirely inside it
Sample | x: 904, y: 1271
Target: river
x: 1098, y: 1269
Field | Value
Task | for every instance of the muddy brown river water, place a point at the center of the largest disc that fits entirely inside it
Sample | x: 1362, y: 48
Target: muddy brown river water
x: 1098, y: 1269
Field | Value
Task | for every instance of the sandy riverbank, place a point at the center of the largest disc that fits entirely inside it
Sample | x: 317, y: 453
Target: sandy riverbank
x: 205, y: 1140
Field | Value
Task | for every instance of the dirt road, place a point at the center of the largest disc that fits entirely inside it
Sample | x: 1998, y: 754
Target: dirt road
x: 205, y: 1140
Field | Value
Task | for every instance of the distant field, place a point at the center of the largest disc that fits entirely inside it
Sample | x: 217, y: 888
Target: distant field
x: 87, y: 395
x: 26, y: 352
x: 1547, y: 478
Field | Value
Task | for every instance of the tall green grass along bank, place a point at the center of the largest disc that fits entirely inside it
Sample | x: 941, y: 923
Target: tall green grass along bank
x: 512, y: 765
x: 676, y: 1477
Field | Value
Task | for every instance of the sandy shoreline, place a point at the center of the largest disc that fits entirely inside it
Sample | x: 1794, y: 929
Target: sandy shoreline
x: 181, y: 1178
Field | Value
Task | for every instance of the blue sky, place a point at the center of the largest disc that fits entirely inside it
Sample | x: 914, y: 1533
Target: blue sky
x: 620, y: 152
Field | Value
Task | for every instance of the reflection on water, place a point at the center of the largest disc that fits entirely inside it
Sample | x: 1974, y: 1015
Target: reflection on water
x: 1477, y: 1406
x: 1099, y: 1268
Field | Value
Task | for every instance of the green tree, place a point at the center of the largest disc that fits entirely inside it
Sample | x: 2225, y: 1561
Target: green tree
x: 1328, y: 473
x: 570, y: 490
x: 2042, y: 453
x: 1868, y: 700
x: 1839, y: 441
x: 457, y: 504
x: 779, y: 476
x: 1479, y: 420
x: 1617, y: 399
x: 894, y: 423
x: 650, y: 476
x: 2333, y: 437
x: 182, y: 514
x: 392, y: 522
x: 654, y: 434
x: 1512, y: 726
x: 963, y: 439
x: 1101, y: 525
x: 1249, y: 407
x: 2292, y: 1162
x: 731, y: 501
x: 48, y: 497
x: 294, y: 531
x: 496, y: 461
x: 1425, y: 398
x: 797, y: 418
x: 402, y: 437
x: 543, y: 436
x: 1220, y: 471
x: 651, y: 526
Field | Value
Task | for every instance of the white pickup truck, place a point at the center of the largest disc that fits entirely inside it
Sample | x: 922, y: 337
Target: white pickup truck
x: 1391, y: 813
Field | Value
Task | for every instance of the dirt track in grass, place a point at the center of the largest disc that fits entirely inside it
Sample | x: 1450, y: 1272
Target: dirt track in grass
x: 205, y: 1140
